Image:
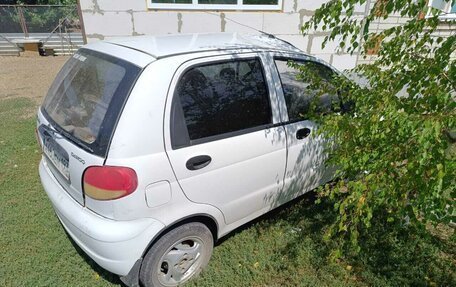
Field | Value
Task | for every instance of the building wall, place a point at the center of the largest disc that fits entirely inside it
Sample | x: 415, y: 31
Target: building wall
x: 104, y: 19
x: 444, y: 30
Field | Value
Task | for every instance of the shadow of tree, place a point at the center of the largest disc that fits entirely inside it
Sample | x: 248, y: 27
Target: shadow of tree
x: 406, y: 256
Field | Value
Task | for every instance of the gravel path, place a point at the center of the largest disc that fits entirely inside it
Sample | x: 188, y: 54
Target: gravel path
x: 28, y: 76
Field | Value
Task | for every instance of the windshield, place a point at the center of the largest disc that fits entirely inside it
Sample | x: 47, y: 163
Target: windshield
x: 87, y: 96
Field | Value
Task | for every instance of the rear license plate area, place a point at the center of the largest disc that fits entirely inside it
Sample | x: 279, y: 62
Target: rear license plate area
x: 55, y: 153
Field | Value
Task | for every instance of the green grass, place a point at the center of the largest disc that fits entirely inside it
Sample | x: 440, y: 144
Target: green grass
x: 284, y: 248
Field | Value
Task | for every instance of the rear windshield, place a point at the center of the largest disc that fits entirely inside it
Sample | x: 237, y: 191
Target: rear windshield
x: 87, y: 96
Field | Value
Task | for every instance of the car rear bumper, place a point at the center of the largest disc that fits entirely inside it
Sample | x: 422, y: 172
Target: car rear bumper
x: 114, y: 245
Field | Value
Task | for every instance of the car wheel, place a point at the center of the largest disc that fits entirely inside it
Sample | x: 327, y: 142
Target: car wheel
x: 177, y: 256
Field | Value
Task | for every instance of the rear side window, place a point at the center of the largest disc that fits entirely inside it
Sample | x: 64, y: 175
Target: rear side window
x: 218, y: 99
x: 86, y: 97
x: 306, y: 83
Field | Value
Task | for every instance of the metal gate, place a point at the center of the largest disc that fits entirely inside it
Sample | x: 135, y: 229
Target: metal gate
x: 55, y: 27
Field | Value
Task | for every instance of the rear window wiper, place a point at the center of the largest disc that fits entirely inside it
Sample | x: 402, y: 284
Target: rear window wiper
x: 51, y: 130
x: 60, y: 133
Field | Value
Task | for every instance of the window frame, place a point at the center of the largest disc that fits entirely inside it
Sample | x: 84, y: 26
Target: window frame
x: 182, y: 127
x: 195, y: 6
x: 445, y: 13
x: 300, y: 58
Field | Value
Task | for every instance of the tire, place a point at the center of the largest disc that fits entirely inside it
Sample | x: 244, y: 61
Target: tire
x: 177, y: 256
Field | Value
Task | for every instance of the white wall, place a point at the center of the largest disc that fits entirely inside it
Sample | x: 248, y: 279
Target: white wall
x: 104, y: 19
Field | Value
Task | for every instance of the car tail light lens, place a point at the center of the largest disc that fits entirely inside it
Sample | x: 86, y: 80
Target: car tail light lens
x: 109, y: 182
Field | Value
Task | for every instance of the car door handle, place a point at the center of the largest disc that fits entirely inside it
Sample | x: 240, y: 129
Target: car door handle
x: 198, y: 162
x: 302, y: 133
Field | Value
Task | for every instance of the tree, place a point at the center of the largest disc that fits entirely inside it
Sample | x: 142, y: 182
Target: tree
x: 395, y: 151
x: 38, y: 19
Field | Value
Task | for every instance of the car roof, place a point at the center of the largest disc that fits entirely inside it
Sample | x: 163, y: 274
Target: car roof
x: 175, y: 44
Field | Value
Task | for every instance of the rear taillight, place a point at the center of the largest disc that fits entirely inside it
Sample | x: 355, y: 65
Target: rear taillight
x: 109, y: 182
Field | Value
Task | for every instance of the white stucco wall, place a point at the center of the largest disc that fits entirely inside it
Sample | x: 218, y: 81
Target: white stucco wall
x: 104, y: 19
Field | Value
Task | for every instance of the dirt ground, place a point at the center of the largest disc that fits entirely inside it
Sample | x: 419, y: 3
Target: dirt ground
x: 28, y: 76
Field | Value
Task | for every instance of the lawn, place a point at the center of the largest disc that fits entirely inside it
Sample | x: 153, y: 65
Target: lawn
x: 283, y: 248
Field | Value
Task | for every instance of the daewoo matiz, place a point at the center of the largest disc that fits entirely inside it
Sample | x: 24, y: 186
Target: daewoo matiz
x: 155, y: 147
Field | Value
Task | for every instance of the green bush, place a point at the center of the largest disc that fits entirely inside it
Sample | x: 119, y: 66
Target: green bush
x: 395, y: 168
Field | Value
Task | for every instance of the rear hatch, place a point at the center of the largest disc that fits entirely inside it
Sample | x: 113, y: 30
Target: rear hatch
x: 79, y: 114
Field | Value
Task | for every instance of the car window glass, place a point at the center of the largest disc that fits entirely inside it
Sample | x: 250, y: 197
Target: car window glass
x: 306, y: 84
x: 223, y: 97
x: 87, y: 95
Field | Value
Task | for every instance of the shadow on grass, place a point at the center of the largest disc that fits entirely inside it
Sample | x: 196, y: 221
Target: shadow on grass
x: 106, y: 275
x: 280, y: 213
x: 408, y: 256
x: 388, y: 257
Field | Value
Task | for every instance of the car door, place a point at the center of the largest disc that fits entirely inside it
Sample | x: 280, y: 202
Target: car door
x: 305, y: 86
x: 223, y: 140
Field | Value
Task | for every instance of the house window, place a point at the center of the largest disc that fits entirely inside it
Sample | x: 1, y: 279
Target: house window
x: 448, y: 8
x: 215, y: 4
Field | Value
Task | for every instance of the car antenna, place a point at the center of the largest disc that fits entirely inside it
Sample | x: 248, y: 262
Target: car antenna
x: 271, y: 36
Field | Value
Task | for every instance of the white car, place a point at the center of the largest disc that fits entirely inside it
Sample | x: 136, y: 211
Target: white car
x: 156, y: 147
